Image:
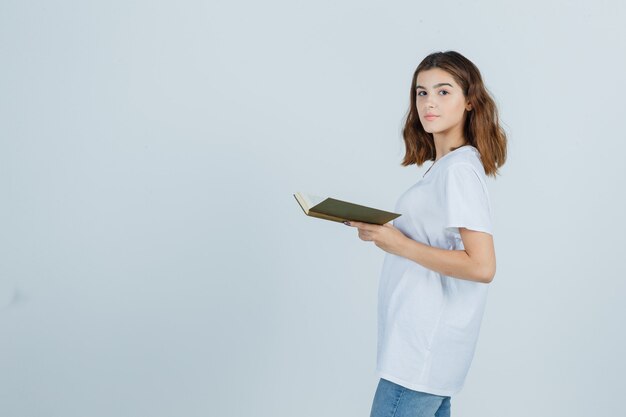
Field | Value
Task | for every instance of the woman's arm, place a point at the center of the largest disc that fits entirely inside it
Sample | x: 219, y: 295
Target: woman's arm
x: 476, y: 263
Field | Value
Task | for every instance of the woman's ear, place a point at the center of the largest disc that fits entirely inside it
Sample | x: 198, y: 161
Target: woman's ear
x: 468, y: 107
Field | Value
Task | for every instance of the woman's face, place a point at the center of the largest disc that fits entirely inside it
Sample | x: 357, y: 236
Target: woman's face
x: 440, y: 102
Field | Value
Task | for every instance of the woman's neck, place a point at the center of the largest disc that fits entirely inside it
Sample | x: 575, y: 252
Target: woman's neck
x: 446, y: 143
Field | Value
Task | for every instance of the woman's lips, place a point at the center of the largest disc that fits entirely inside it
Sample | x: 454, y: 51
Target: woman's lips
x: 430, y: 118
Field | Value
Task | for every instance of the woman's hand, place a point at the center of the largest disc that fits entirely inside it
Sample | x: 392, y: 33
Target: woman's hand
x: 386, y: 237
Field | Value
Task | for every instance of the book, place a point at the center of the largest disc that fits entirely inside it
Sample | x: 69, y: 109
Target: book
x: 339, y: 211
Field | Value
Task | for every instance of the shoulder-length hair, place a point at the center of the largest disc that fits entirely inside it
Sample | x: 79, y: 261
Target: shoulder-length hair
x: 482, y: 128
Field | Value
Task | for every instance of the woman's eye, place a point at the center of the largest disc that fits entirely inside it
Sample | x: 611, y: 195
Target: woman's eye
x: 444, y: 91
x: 419, y: 93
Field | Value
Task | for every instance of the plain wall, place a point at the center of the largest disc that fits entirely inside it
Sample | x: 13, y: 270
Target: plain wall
x: 153, y: 261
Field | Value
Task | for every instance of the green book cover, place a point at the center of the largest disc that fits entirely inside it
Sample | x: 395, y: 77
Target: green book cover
x: 340, y: 211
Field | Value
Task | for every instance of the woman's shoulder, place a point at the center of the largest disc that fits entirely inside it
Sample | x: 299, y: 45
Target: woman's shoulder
x: 465, y: 158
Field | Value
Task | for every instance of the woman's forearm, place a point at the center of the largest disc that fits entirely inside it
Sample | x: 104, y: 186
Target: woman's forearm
x: 453, y: 263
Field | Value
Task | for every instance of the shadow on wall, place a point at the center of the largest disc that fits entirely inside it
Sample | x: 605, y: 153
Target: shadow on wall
x: 10, y: 296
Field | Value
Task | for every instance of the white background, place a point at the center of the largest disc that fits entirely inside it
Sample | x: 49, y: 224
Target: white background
x: 153, y: 261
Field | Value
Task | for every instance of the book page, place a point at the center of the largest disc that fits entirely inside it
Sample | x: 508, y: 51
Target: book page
x: 312, y: 200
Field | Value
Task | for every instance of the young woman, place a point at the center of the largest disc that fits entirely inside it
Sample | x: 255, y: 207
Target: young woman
x: 440, y: 253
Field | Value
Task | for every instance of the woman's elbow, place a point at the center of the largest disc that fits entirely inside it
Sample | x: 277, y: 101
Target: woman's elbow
x: 489, y: 274
x: 485, y: 274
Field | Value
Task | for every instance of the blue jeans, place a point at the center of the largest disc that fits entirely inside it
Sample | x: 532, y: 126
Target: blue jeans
x: 393, y: 400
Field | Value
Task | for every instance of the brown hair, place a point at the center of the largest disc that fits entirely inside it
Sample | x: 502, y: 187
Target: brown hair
x: 482, y: 128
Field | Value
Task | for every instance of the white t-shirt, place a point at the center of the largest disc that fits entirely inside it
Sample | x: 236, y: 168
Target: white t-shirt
x: 428, y: 323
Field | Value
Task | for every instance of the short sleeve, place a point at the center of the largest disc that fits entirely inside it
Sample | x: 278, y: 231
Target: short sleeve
x: 466, y: 200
